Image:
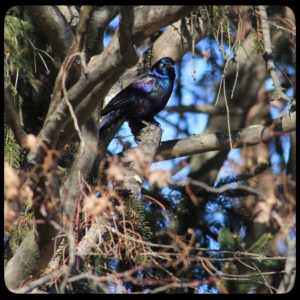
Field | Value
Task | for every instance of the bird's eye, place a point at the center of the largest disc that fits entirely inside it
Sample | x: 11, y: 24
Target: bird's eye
x: 162, y: 65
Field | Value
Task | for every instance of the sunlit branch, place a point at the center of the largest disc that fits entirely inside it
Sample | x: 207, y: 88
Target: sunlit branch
x: 219, y: 141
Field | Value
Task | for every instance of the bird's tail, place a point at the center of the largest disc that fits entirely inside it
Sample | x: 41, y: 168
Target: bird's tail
x: 111, y: 118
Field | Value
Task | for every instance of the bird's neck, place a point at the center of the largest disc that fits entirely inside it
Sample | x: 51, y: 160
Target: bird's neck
x: 164, y: 75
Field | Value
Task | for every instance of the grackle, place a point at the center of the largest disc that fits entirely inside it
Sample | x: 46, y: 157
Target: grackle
x: 144, y: 98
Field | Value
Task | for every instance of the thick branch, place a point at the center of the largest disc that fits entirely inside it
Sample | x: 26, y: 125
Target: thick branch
x: 86, y: 13
x: 54, y: 26
x: 78, y: 45
x: 219, y: 141
x: 148, y: 18
x: 83, y: 163
x: 127, y: 50
x: 101, y: 18
x: 12, y: 116
x: 250, y: 136
x: 92, y: 238
x: 150, y: 137
x: 94, y: 44
x: 71, y: 14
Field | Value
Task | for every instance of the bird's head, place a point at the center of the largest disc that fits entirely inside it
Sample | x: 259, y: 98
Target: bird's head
x: 164, y: 66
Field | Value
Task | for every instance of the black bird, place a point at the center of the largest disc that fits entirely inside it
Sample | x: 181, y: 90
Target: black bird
x: 144, y: 98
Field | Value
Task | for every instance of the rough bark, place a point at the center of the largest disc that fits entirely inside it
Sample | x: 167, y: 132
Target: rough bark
x: 54, y: 26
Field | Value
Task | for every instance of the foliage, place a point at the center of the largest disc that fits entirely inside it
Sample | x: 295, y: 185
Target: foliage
x: 13, y: 153
x: 256, y: 32
x: 19, y: 229
x: 216, y: 23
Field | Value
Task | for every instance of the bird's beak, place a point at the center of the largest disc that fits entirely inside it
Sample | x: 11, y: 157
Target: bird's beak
x: 169, y: 66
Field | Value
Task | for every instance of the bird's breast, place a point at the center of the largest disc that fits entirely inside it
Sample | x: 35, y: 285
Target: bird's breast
x: 166, y: 85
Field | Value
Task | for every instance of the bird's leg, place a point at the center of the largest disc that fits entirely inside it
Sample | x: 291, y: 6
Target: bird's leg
x: 138, y: 125
x: 144, y: 122
x: 153, y: 121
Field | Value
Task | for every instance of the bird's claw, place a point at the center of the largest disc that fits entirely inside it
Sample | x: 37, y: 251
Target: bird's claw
x: 144, y: 122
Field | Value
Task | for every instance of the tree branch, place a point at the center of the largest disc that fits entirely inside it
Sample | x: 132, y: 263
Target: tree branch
x: 140, y: 159
x: 101, y: 18
x: 126, y: 42
x: 92, y: 237
x: 54, y: 26
x: 219, y: 141
x: 71, y: 14
x: 78, y: 45
x: 148, y: 19
x: 206, y: 109
x: 83, y: 163
x: 278, y: 93
x: 98, y: 24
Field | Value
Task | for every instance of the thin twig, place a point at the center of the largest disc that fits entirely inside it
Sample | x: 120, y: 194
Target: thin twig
x: 220, y: 86
x: 36, y: 50
x: 207, y: 109
x: 65, y: 76
x: 227, y: 59
x: 282, y: 28
x: 284, y: 74
x: 228, y: 187
x: 228, y: 116
x: 263, y: 277
x: 193, y: 25
x: 236, y: 57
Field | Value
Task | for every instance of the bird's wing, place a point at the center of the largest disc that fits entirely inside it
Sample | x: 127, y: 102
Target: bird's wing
x: 141, y: 87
